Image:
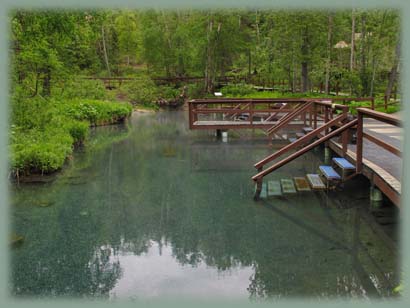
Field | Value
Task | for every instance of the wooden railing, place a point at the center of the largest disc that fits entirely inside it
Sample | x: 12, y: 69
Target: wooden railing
x: 228, y: 108
x: 380, y: 116
x: 276, y: 113
x: 341, y: 121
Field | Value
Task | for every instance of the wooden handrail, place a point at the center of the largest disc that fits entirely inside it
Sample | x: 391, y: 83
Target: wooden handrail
x: 381, y: 116
x: 302, y: 151
x: 300, y: 141
x: 287, y: 118
x: 277, y: 112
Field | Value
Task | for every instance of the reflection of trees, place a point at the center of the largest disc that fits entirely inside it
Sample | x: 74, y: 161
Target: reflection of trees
x: 206, y: 217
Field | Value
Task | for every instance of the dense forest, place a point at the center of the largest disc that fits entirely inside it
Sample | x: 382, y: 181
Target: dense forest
x: 355, y: 52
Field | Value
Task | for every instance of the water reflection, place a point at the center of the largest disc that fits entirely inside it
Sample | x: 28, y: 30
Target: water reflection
x: 152, y: 211
x: 157, y: 273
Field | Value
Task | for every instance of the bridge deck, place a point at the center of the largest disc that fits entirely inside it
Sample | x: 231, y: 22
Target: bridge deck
x: 380, y: 165
x: 222, y: 124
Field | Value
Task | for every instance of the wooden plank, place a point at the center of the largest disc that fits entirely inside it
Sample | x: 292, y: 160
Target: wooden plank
x: 301, y: 184
x: 287, y: 186
x: 274, y: 188
x: 315, y: 181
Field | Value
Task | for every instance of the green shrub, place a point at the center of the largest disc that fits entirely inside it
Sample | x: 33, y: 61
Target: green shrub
x: 88, y: 89
x: 39, y: 151
x: 44, y: 130
x: 168, y: 93
x: 196, y: 90
x: 97, y: 112
x: 78, y: 130
x: 142, y: 91
x: 237, y: 90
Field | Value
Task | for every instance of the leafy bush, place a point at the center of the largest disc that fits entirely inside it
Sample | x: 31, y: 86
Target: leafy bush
x: 97, y: 112
x: 142, y: 91
x: 88, y: 89
x: 196, y: 90
x: 39, y: 151
x: 78, y: 130
x: 168, y: 93
x: 237, y: 90
x: 44, y: 130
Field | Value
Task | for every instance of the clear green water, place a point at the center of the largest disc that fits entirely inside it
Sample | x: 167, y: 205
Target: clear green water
x: 152, y: 209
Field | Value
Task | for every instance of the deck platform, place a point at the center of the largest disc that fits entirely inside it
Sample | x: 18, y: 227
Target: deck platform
x: 379, y: 165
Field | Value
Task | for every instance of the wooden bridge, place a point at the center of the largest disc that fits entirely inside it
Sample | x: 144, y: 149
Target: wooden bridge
x: 367, y: 143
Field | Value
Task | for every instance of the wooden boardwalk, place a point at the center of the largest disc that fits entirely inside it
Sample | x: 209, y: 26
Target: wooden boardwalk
x: 376, y: 154
x: 380, y: 165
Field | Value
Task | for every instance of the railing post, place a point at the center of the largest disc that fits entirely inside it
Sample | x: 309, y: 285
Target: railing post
x: 344, y: 142
x: 314, y: 115
x: 190, y: 115
x: 359, y: 142
x: 372, y: 100
x: 251, y: 112
x: 194, y: 114
x: 326, y: 119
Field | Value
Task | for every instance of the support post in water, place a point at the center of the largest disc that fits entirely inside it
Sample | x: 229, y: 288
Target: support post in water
x: 218, y: 133
x: 258, y: 190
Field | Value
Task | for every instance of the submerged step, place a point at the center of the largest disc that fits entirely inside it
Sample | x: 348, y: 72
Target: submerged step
x: 291, y: 139
x: 300, y: 135
x: 287, y: 186
x: 274, y: 188
x: 301, y: 184
x: 329, y: 173
x: 307, y: 129
x: 315, y: 181
x: 343, y: 163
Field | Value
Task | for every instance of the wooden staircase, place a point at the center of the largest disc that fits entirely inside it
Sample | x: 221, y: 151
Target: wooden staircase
x: 326, y: 178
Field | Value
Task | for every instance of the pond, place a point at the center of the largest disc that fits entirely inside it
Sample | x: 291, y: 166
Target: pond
x: 151, y: 209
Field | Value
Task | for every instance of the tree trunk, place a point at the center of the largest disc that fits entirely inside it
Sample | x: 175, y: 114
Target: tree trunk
x: 305, y: 51
x: 249, y: 64
x: 105, y: 52
x: 208, y: 66
x: 352, y: 42
x: 375, y: 56
x: 46, y: 82
x: 329, y: 48
x: 393, y: 71
x: 363, y: 58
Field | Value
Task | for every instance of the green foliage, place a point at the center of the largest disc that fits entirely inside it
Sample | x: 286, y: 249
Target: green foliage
x: 168, y: 93
x: 78, y: 130
x: 142, y: 91
x: 90, y: 89
x: 237, y: 90
x: 44, y: 130
x: 196, y: 90
x: 97, y: 112
x: 36, y: 150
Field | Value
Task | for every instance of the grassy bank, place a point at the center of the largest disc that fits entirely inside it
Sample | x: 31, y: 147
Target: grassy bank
x: 44, y: 132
